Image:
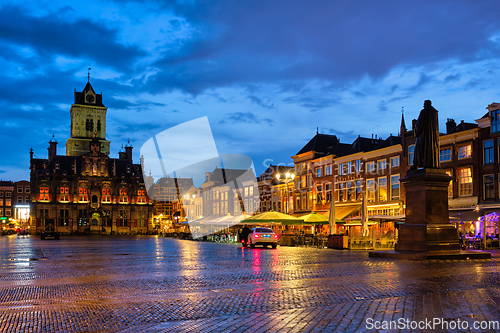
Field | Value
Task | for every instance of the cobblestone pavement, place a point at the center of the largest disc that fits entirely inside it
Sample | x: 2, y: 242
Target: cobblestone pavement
x: 152, y: 284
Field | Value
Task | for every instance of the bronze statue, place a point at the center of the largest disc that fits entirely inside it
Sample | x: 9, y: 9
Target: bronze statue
x: 427, y: 142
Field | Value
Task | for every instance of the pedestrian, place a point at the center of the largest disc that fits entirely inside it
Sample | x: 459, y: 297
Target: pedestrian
x: 244, y: 234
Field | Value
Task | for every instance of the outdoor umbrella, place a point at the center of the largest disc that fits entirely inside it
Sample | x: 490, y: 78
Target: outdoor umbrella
x: 317, y: 219
x: 364, y: 216
x: 271, y: 216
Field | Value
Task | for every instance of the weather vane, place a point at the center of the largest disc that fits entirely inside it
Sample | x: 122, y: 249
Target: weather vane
x: 402, y: 110
x: 88, y: 75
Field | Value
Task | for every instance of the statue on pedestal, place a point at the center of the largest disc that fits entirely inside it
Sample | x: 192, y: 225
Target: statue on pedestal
x: 427, y: 142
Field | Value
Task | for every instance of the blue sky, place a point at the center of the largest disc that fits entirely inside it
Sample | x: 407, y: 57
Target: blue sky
x: 265, y: 73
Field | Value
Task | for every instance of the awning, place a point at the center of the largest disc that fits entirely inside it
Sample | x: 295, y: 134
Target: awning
x: 471, y: 214
x: 342, y: 211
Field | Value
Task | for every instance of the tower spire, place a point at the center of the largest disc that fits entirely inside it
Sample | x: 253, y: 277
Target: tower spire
x: 88, y: 75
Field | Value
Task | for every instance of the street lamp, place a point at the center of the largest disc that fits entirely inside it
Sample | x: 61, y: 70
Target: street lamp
x: 288, y: 176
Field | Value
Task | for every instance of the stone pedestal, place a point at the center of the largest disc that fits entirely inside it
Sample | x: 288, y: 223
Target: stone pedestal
x: 427, y: 226
x: 427, y: 232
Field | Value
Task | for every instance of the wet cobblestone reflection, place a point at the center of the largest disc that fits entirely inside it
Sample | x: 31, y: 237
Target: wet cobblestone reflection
x: 155, y: 284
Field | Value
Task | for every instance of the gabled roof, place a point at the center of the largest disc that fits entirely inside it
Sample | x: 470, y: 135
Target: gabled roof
x: 222, y: 176
x: 362, y: 145
x: 462, y: 126
x: 80, y: 96
x: 62, y: 163
x: 322, y: 144
x: 390, y: 141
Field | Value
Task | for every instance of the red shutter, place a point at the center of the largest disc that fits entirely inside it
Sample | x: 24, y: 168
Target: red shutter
x: 129, y: 199
x: 37, y: 222
x: 37, y: 196
x: 128, y: 223
x: 136, y: 222
x: 58, y: 197
x: 50, y: 197
x: 147, y: 199
x: 71, y: 197
x: 146, y: 222
x: 70, y: 222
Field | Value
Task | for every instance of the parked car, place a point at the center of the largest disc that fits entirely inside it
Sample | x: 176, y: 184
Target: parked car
x: 264, y: 237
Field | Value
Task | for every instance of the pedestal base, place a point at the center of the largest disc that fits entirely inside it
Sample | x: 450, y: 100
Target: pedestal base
x: 431, y: 255
x: 427, y: 232
x: 428, y: 237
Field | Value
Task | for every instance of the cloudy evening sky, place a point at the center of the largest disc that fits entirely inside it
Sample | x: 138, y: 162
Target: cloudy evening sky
x: 266, y: 73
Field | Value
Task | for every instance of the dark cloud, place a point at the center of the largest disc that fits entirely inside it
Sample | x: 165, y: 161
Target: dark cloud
x: 452, y: 78
x: 267, y: 104
x: 264, y: 41
x: 314, y: 103
x: 245, y: 117
x: 53, y: 35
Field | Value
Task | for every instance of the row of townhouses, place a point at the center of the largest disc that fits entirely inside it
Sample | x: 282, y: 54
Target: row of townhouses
x: 87, y: 191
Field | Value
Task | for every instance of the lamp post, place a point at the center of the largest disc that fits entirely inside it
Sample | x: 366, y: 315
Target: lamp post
x: 288, y: 176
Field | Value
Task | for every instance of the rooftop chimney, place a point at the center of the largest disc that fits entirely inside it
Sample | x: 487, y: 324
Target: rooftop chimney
x: 52, y: 147
x: 450, y: 125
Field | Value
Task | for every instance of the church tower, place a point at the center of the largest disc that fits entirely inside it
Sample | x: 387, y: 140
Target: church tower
x: 88, y: 121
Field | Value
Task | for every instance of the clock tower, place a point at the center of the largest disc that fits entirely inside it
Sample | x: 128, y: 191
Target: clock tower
x: 88, y: 122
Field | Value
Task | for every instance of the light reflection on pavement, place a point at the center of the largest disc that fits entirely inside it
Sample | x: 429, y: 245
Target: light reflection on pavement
x: 147, y: 283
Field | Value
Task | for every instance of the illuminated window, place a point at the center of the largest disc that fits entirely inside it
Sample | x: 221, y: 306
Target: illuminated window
x: 382, y: 189
x: 358, y: 190
x: 449, y: 172
x: 395, y: 187
x: 465, y: 181
x: 329, y: 170
x: 319, y: 194
x: 123, y: 197
x: 44, y: 194
x: 464, y: 151
x: 349, y: 167
x: 83, y: 195
x: 318, y: 172
x: 341, y: 192
x: 370, y: 186
x: 106, y: 195
x: 141, y: 196
x: 350, y: 191
x: 63, y: 194
x: 328, y: 192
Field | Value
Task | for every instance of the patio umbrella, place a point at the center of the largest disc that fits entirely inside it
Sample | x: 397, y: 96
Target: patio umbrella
x: 364, y: 216
x: 317, y: 219
x: 331, y: 216
x: 271, y: 216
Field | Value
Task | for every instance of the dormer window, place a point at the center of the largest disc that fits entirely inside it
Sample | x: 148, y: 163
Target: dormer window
x: 128, y: 169
x: 495, y: 121
x: 57, y: 165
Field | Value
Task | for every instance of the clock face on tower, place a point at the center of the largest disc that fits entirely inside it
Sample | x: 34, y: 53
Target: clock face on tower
x: 90, y: 98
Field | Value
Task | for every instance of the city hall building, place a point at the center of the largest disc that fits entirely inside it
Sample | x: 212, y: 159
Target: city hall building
x: 86, y: 191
